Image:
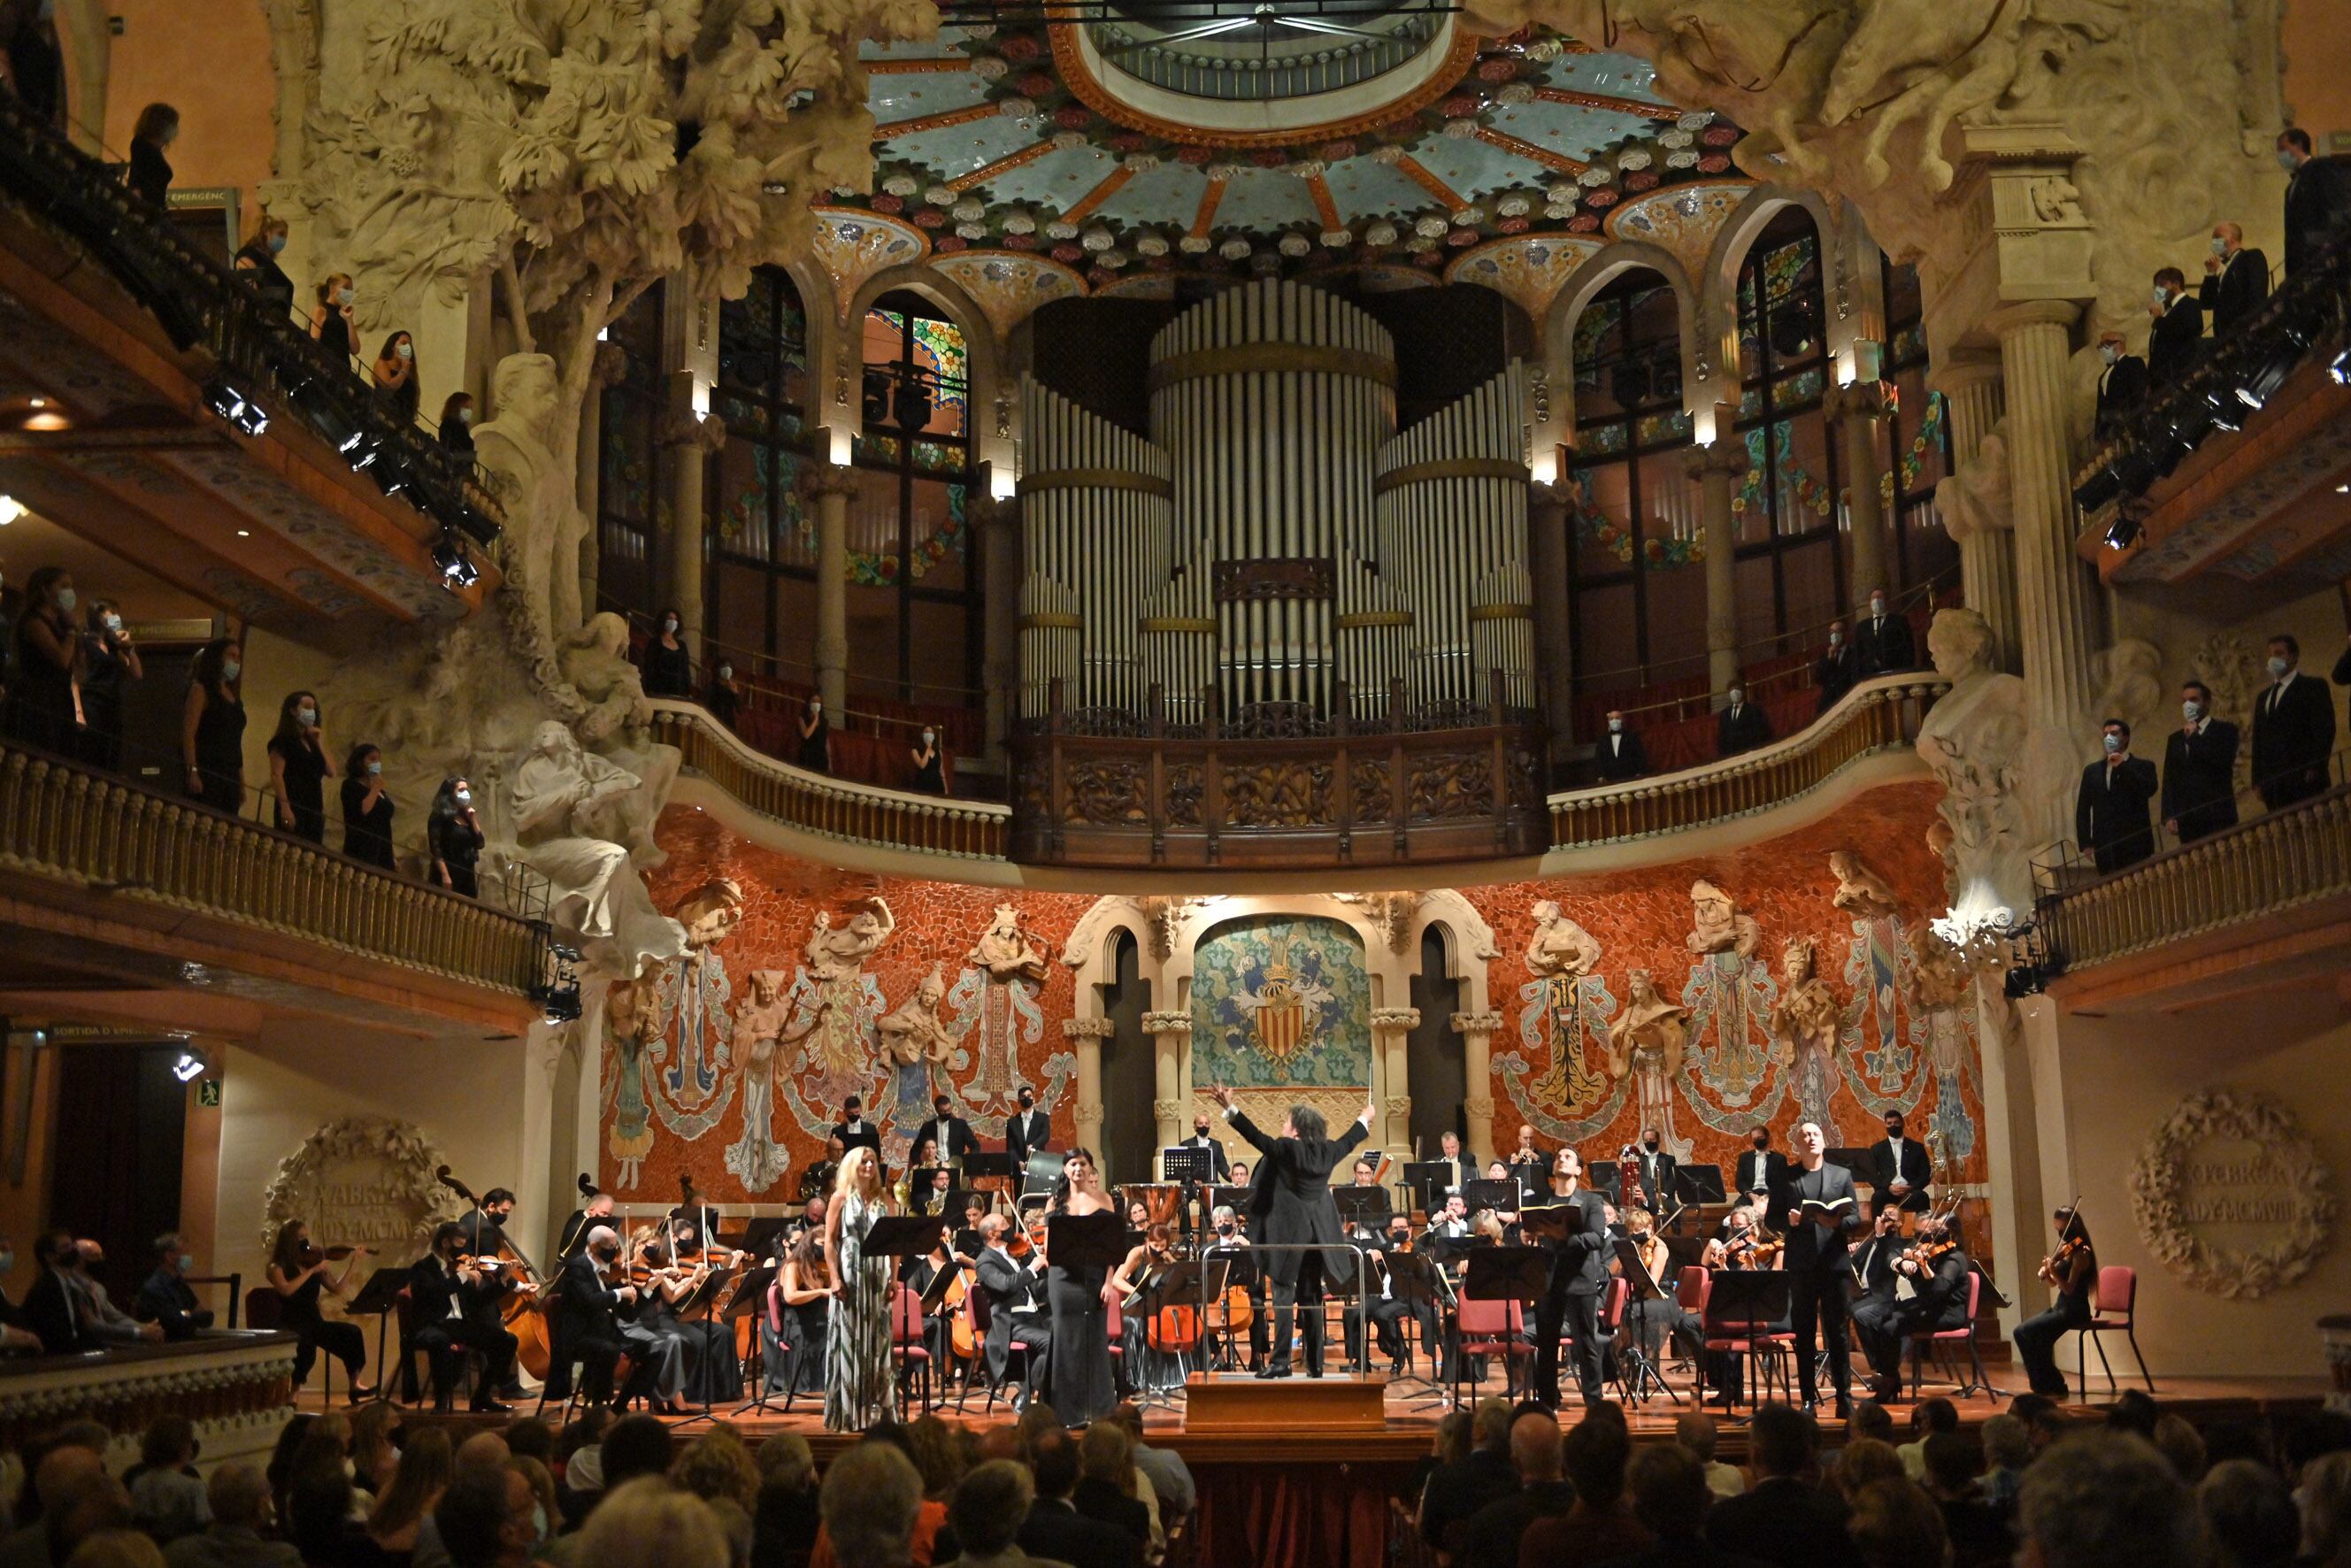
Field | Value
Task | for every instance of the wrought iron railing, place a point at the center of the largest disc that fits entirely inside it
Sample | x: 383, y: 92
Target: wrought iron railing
x: 208, y: 308
x: 1880, y: 715
x: 61, y: 820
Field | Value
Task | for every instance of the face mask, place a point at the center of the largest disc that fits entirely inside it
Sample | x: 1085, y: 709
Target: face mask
x: 1651, y: 1145
x: 1877, y: 607
x: 2286, y: 159
x: 1758, y: 1141
x: 464, y: 416
x: 306, y: 715
x: 928, y: 736
x: 2278, y: 667
x: 1615, y: 726
x: 725, y: 672
x: 276, y: 243
x: 2192, y: 710
x: 374, y: 769
x: 231, y: 669
x: 669, y: 622
x: 187, y: 1264
x: 2114, y: 745
x: 465, y: 797
x: 815, y: 708
x: 406, y: 350
x: 344, y: 296
x: 66, y: 599
x: 2162, y: 295
x: 2220, y: 245
x: 2110, y: 353
x: 113, y: 623
x: 1224, y: 1227
x: 1737, y: 696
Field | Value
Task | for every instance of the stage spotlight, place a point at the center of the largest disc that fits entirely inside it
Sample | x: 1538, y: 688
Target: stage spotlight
x: 361, y: 449
x: 2262, y: 384
x: 2123, y: 530
x: 2098, y: 489
x: 392, y: 473
x: 480, y: 529
x: 2341, y: 369
x: 2225, y: 411
x: 189, y: 1068
x: 457, y: 568
x: 223, y: 398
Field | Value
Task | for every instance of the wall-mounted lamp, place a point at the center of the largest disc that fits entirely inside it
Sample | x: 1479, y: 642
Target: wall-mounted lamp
x: 1002, y: 483
x: 837, y: 438
x: 189, y: 1068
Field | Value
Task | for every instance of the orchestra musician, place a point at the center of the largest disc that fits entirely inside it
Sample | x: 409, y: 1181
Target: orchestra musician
x: 595, y: 1209
x: 1742, y: 1246
x: 1026, y: 1132
x: 805, y: 1287
x: 1528, y: 1166
x: 1458, y: 1166
x: 817, y: 1180
x: 714, y: 1370
x: 1139, y: 1273
x: 1762, y: 1167
x: 950, y: 1132
x: 1015, y: 1290
x: 297, y: 1272
x: 484, y: 1228
x: 1579, y: 1269
x: 1654, y: 1169
x: 647, y: 1323
x: 2071, y: 1271
x: 1664, y: 1320
x: 1818, y: 1262
x: 1929, y: 1294
x: 443, y: 1295
x: 1079, y: 1297
x: 853, y: 1130
x: 587, y: 1328
x: 933, y: 1187
x: 1900, y: 1168
x: 1241, y: 1272
x: 924, y: 1272
x: 1290, y: 1202
x: 1220, y: 1163
x: 1386, y: 1310
x: 1450, y: 1223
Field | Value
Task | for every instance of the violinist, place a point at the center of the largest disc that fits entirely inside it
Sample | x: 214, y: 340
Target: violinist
x: 1386, y: 1310
x: 1658, y: 1320
x: 299, y: 1272
x: 2071, y: 1271
x: 805, y: 1289
x: 592, y: 1288
x: 485, y: 1225
x: 649, y: 1326
x: 714, y: 1370
x: 1015, y: 1290
x: 445, y: 1290
x: 1929, y: 1294
x: 1135, y: 1279
x: 500, y: 1267
x: 1742, y: 1246
x: 924, y: 1272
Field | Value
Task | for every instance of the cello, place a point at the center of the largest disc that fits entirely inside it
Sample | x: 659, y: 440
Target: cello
x: 519, y: 1307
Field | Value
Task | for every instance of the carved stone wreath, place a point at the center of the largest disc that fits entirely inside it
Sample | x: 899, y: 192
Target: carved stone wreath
x: 2303, y: 1178
x: 410, y: 1156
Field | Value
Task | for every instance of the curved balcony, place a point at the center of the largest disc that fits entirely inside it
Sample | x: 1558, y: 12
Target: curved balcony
x: 1880, y: 715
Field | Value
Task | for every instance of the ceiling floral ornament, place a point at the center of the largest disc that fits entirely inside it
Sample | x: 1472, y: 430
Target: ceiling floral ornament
x: 2270, y: 1175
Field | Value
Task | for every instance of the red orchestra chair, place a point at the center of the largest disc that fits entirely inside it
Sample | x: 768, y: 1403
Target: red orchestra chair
x: 911, y: 1345
x: 975, y: 1306
x: 2113, y: 1310
x: 1940, y: 1343
x: 1491, y: 1328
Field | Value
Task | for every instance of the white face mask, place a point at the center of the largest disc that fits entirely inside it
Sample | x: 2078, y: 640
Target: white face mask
x: 1877, y: 607
x: 66, y: 599
x: 928, y: 736
x: 406, y: 350
x: 1737, y: 696
x: 2192, y: 710
x: 669, y: 623
x: 306, y: 715
x: 725, y: 672
x: 113, y: 621
x: 374, y: 769
x: 2278, y: 667
x: 2162, y: 295
x: 231, y: 669
x: 2114, y: 744
x: 344, y: 296
x: 2220, y: 245
x: 2289, y: 159
x: 1836, y: 638
x: 2109, y: 353
x: 464, y: 416
x: 1615, y: 726
x: 465, y: 797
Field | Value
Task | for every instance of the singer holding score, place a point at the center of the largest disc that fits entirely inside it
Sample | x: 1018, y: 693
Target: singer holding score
x: 1819, y: 1209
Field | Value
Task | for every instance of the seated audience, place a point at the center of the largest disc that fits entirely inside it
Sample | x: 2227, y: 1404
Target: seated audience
x: 869, y: 1499
x: 1493, y: 1534
x: 238, y: 1496
x: 2098, y: 1500
x: 1696, y: 1430
x: 1600, y: 1526
x: 1783, y: 1519
x: 1054, y: 1528
x: 167, y: 1299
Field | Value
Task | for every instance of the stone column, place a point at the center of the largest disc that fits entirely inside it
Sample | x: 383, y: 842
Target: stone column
x: 1970, y: 389
x: 2052, y: 604
x: 612, y: 364
x: 1477, y: 1032
x: 998, y: 521
x: 689, y: 439
x: 830, y: 485
x: 1549, y: 540
x: 1857, y: 410
x: 1718, y: 469
x: 1389, y: 1027
x: 1085, y: 1037
x: 1171, y: 1037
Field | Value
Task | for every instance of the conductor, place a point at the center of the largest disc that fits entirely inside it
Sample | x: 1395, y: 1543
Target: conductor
x: 1290, y: 1206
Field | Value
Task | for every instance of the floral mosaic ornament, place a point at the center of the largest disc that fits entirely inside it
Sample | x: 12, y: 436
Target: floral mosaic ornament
x: 410, y: 1157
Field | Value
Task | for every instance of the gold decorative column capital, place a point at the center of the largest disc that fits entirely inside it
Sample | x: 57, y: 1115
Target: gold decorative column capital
x: 2022, y: 314
x: 1477, y: 1023
x: 822, y: 480
x: 1727, y: 455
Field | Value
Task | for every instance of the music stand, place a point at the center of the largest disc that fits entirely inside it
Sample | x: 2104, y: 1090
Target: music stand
x: 1191, y: 1167
x: 762, y: 1237
x: 376, y: 1299
x: 1233, y: 1198
x: 1427, y: 1177
x: 1698, y: 1186
x: 1518, y: 1274
x: 1364, y: 1208
x: 986, y: 1164
x: 751, y: 1295
x: 1415, y: 1279
x: 902, y: 1236
x: 1499, y: 1194
x: 1640, y: 1290
x: 1743, y: 1304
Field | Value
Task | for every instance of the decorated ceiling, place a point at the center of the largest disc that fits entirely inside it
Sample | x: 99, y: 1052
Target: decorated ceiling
x: 1108, y: 151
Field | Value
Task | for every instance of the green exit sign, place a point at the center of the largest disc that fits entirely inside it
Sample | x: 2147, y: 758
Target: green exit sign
x: 208, y: 1092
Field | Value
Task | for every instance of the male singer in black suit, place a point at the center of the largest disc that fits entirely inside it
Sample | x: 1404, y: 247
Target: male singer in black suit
x: 955, y: 1143
x: 1027, y: 1131
x: 2236, y: 280
x: 2122, y: 386
x: 1290, y: 1205
x: 2177, y: 338
x: 2200, y: 769
x: 1817, y: 1264
x: 1838, y: 669
x: 1883, y: 638
x: 585, y: 1329
x: 1579, y: 1268
x: 442, y: 1305
x: 1656, y: 1168
x: 1742, y: 726
x: 2110, y: 810
x: 854, y: 1129
x: 1899, y: 1169
x: 1014, y: 1288
x: 1620, y: 752
x: 1762, y: 1168
x: 2294, y: 729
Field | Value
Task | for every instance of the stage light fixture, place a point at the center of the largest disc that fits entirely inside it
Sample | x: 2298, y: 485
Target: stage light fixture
x: 11, y: 510
x: 478, y: 527
x: 2257, y: 389
x: 2098, y: 489
x: 360, y: 450
x: 224, y: 398
x: 2123, y: 530
x: 189, y: 1068
x: 2341, y: 369
x: 2225, y: 411
x: 456, y: 567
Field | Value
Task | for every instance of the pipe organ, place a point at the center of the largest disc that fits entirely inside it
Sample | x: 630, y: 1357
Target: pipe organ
x: 1275, y: 537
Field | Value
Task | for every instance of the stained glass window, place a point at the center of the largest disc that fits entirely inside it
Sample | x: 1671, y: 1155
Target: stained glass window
x: 1788, y: 516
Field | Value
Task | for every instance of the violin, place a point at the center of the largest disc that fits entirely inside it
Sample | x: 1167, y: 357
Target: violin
x: 2067, y: 1250
x: 312, y: 1254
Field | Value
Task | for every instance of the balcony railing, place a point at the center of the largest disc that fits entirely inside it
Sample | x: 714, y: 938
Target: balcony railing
x: 104, y: 833
x: 830, y: 808
x: 1880, y: 715
x: 205, y: 308
x: 237, y: 1389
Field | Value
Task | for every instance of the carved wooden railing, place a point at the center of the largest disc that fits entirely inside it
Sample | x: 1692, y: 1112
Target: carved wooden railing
x: 830, y: 808
x: 2270, y: 865
x: 1880, y: 715
x: 237, y: 1389
x: 60, y: 821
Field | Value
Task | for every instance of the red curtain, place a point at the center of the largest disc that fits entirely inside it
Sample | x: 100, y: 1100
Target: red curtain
x: 1276, y: 1515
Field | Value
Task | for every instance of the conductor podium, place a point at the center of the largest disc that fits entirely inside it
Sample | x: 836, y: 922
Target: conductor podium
x: 1340, y: 1400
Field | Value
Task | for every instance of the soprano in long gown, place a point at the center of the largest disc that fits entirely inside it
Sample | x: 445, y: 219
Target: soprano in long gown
x: 1079, y: 1384
x: 858, y: 1373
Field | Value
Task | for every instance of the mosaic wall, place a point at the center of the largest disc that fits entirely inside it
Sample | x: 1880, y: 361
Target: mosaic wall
x: 1701, y: 997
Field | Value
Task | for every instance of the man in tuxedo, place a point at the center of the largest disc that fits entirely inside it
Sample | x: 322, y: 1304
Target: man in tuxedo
x: 2177, y: 338
x: 2110, y: 808
x: 956, y: 1141
x: 1835, y: 673
x: 2122, y: 386
x: 2317, y: 199
x: 1656, y: 1168
x: 1027, y: 1131
x: 1742, y: 726
x: 1620, y: 752
x: 1883, y: 638
x: 586, y: 1329
x: 595, y: 1209
x: 1386, y: 1310
x: 2293, y: 729
x: 165, y: 1298
x: 1220, y: 1164
x: 2200, y: 769
x: 1816, y: 1262
x: 442, y: 1297
x: 1290, y: 1205
x: 1459, y: 1169
x: 1899, y: 1169
x: 1762, y: 1167
x: 1014, y: 1288
x: 1783, y: 1519
x: 2236, y: 281
x: 1579, y: 1268
x: 1928, y: 1297
x: 854, y: 1129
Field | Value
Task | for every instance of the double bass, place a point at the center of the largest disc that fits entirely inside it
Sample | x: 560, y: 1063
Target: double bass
x: 518, y: 1305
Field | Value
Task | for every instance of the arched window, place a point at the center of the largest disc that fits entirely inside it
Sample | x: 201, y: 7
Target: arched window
x: 1918, y: 442
x: 1788, y: 513
x: 628, y: 469
x: 1637, y: 589
x: 762, y: 579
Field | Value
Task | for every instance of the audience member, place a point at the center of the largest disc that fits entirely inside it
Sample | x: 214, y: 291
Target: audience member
x: 717, y: 1465
x: 1054, y: 1528
x: 1620, y: 752
x: 457, y: 429
x: 1672, y: 1496
x: 869, y: 1499
x: 1976, y: 1527
x: 367, y: 808
x: 1870, y: 1419
x: 2236, y: 281
x: 166, y: 1297
x: 989, y: 1506
x: 1105, y: 1489
x: 1458, y: 1490
x: 1783, y: 1519
x: 2325, y: 1498
x: 117, y: 1547
x: 212, y: 727
x: 2111, y: 819
x: 929, y: 762
x: 256, y: 261
x: 1599, y: 1526
x: 1171, y: 1477
x: 149, y: 175
x: 419, y: 1477
x: 2200, y: 769
x: 2007, y: 1449
x: 453, y: 837
x: 2134, y: 1411
x: 2098, y: 1500
x: 45, y: 682
x: 785, y: 1518
x: 666, y: 665
x: 2175, y: 340
x: 167, y: 1496
x: 2294, y: 729
x: 1695, y: 1431
x: 109, y: 662
x: 2181, y: 1446
x: 332, y: 321
x: 238, y: 1536
x: 649, y: 1523
x: 2122, y: 386
x: 1927, y: 1417
x: 1883, y: 638
x: 1492, y: 1535
x: 724, y: 695
x: 1863, y: 1462
x: 1837, y: 670
x: 2250, y: 1516
x: 395, y: 377
x: 1897, y: 1525
x: 486, y: 1518
x: 2317, y: 200
x: 36, y: 64
x: 1741, y: 726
